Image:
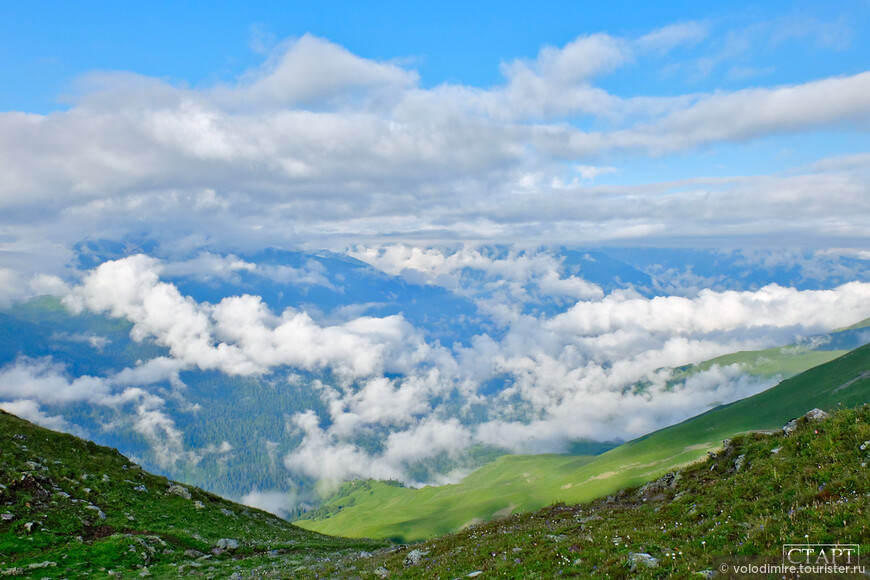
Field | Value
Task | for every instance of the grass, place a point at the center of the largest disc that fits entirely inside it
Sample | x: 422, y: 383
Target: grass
x: 761, y: 491
x: 77, y: 509
x: 514, y: 483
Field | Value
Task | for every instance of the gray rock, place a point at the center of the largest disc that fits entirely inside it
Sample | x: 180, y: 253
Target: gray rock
x: 816, y: 415
x: 227, y: 512
x: 141, y: 488
x: 382, y: 572
x: 775, y: 451
x: 179, y: 490
x: 198, y: 505
x: 864, y: 446
x: 193, y: 553
x: 7, y: 517
x: 636, y: 559
x: 100, y: 513
x: 28, y: 526
x: 228, y: 544
x: 810, y: 416
x: 365, y: 554
x: 414, y: 556
x: 708, y: 574
x: 738, y: 463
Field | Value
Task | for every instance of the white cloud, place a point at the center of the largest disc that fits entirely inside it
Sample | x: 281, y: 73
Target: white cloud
x: 674, y: 35
x: 240, y: 335
x: 322, y: 146
x: 29, y: 409
x: 280, y: 503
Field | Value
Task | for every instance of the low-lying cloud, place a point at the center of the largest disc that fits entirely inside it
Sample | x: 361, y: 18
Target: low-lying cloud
x: 563, y: 376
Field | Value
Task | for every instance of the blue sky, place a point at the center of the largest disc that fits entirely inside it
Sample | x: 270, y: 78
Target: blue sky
x: 235, y: 126
x: 47, y: 45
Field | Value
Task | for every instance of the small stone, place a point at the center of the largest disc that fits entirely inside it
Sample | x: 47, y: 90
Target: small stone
x: 636, y: 559
x: 198, y: 505
x: 227, y: 544
x: 364, y: 554
x: 414, y: 556
x: 816, y: 415
x: 738, y: 463
x: 381, y: 572
x: 141, y: 488
x: 179, y: 490
x: 7, y: 517
x: 227, y: 512
x: 789, y: 427
x: 864, y: 446
x: 28, y: 526
x: 708, y: 574
x: 773, y: 451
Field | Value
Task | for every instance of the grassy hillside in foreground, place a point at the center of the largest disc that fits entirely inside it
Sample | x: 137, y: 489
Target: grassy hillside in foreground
x: 70, y: 508
x: 760, y: 492
x: 520, y: 483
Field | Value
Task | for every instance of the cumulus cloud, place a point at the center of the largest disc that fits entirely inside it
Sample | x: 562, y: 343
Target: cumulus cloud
x: 28, y: 384
x: 319, y: 145
x: 240, y: 335
x: 596, y: 366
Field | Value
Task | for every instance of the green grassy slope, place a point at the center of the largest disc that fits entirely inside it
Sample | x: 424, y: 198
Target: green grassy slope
x: 521, y: 482
x: 71, y: 508
x: 760, y: 492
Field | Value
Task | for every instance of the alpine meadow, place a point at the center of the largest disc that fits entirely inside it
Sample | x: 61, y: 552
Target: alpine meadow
x: 483, y: 290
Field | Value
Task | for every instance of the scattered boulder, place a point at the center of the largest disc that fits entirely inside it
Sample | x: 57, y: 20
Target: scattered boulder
x: 636, y: 559
x: 198, y: 505
x: 179, y: 490
x: 414, y: 556
x: 810, y: 416
x: 7, y: 517
x: 816, y: 415
x: 381, y: 572
x: 864, y: 446
x: 228, y: 544
x: 738, y: 463
x: 708, y: 574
